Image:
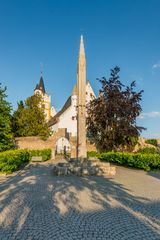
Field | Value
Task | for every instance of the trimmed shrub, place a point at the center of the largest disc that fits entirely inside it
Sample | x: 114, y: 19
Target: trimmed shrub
x: 44, y: 153
x: 93, y: 154
x: 138, y: 160
x: 148, y: 150
x: 11, y: 160
x: 152, y: 142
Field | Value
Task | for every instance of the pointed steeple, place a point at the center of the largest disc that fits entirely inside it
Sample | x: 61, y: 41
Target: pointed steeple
x: 41, y: 85
x: 81, y: 49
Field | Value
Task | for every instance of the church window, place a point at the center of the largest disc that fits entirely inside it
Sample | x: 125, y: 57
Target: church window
x: 72, y: 118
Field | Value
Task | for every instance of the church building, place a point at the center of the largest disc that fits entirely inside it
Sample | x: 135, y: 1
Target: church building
x: 66, y: 118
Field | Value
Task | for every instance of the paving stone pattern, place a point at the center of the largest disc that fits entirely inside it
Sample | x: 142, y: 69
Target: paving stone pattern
x: 35, y: 205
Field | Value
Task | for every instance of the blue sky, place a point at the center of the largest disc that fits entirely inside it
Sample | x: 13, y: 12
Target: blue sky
x: 124, y: 33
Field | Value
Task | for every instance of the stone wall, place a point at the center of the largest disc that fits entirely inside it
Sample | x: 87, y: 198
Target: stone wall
x: 38, y: 143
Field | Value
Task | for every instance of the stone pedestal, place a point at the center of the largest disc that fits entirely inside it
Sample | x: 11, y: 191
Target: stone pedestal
x: 84, y: 168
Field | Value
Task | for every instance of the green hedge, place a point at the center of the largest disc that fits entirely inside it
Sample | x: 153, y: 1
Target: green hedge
x: 93, y: 154
x: 138, y: 160
x: 152, y: 142
x: 45, y: 153
x: 148, y: 150
x: 11, y: 160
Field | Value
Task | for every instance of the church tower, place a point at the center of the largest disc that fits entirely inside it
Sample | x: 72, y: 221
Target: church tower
x: 46, y: 103
x: 81, y: 106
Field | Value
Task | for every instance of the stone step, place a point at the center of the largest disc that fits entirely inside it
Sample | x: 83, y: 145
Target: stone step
x: 105, y: 164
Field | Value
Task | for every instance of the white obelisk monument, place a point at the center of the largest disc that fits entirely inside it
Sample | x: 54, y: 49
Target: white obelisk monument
x: 81, y: 104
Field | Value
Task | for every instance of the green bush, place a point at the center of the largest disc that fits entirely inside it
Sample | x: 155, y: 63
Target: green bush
x: 152, y: 142
x: 148, y: 150
x: 45, y: 153
x: 93, y: 154
x: 11, y: 160
x: 138, y: 160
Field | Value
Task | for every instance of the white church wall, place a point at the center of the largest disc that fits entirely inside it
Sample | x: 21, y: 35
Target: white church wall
x: 55, y: 127
x: 90, y: 95
x: 68, y: 118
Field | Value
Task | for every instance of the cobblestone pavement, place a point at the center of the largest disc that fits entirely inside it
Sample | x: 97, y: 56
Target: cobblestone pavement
x: 37, y: 205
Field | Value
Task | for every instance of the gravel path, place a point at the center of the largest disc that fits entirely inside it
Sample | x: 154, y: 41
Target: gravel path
x: 37, y: 205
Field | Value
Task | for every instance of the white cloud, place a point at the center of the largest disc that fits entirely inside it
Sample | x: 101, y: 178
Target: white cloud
x: 153, y: 114
x: 141, y: 116
x: 156, y: 65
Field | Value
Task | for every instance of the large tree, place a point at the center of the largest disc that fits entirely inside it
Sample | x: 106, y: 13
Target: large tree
x: 16, y: 123
x: 29, y: 118
x: 112, y: 116
x: 6, y: 141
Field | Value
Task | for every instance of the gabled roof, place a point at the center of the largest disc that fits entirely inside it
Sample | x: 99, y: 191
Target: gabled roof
x: 55, y: 119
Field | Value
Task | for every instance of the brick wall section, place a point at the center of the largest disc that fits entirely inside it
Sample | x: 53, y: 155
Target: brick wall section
x: 33, y: 143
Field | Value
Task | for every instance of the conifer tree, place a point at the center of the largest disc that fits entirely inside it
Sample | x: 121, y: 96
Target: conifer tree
x: 16, y: 127
x: 6, y: 141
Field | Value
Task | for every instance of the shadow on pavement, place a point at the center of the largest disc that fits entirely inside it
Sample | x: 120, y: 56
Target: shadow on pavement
x: 38, y: 205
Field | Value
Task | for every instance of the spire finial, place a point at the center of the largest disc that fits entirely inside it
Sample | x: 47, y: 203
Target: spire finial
x: 41, y: 69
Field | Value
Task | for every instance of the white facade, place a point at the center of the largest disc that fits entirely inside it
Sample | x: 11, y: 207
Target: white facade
x: 68, y: 118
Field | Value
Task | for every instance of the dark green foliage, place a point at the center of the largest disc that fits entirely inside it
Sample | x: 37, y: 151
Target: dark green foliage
x: 6, y: 141
x: 11, y: 160
x: 93, y: 154
x: 45, y: 153
x: 112, y: 116
x: 16, y: 119
x: 138, y: 160
x: 148, y: 150
x: 152, y: 142
x: 29, y: 119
